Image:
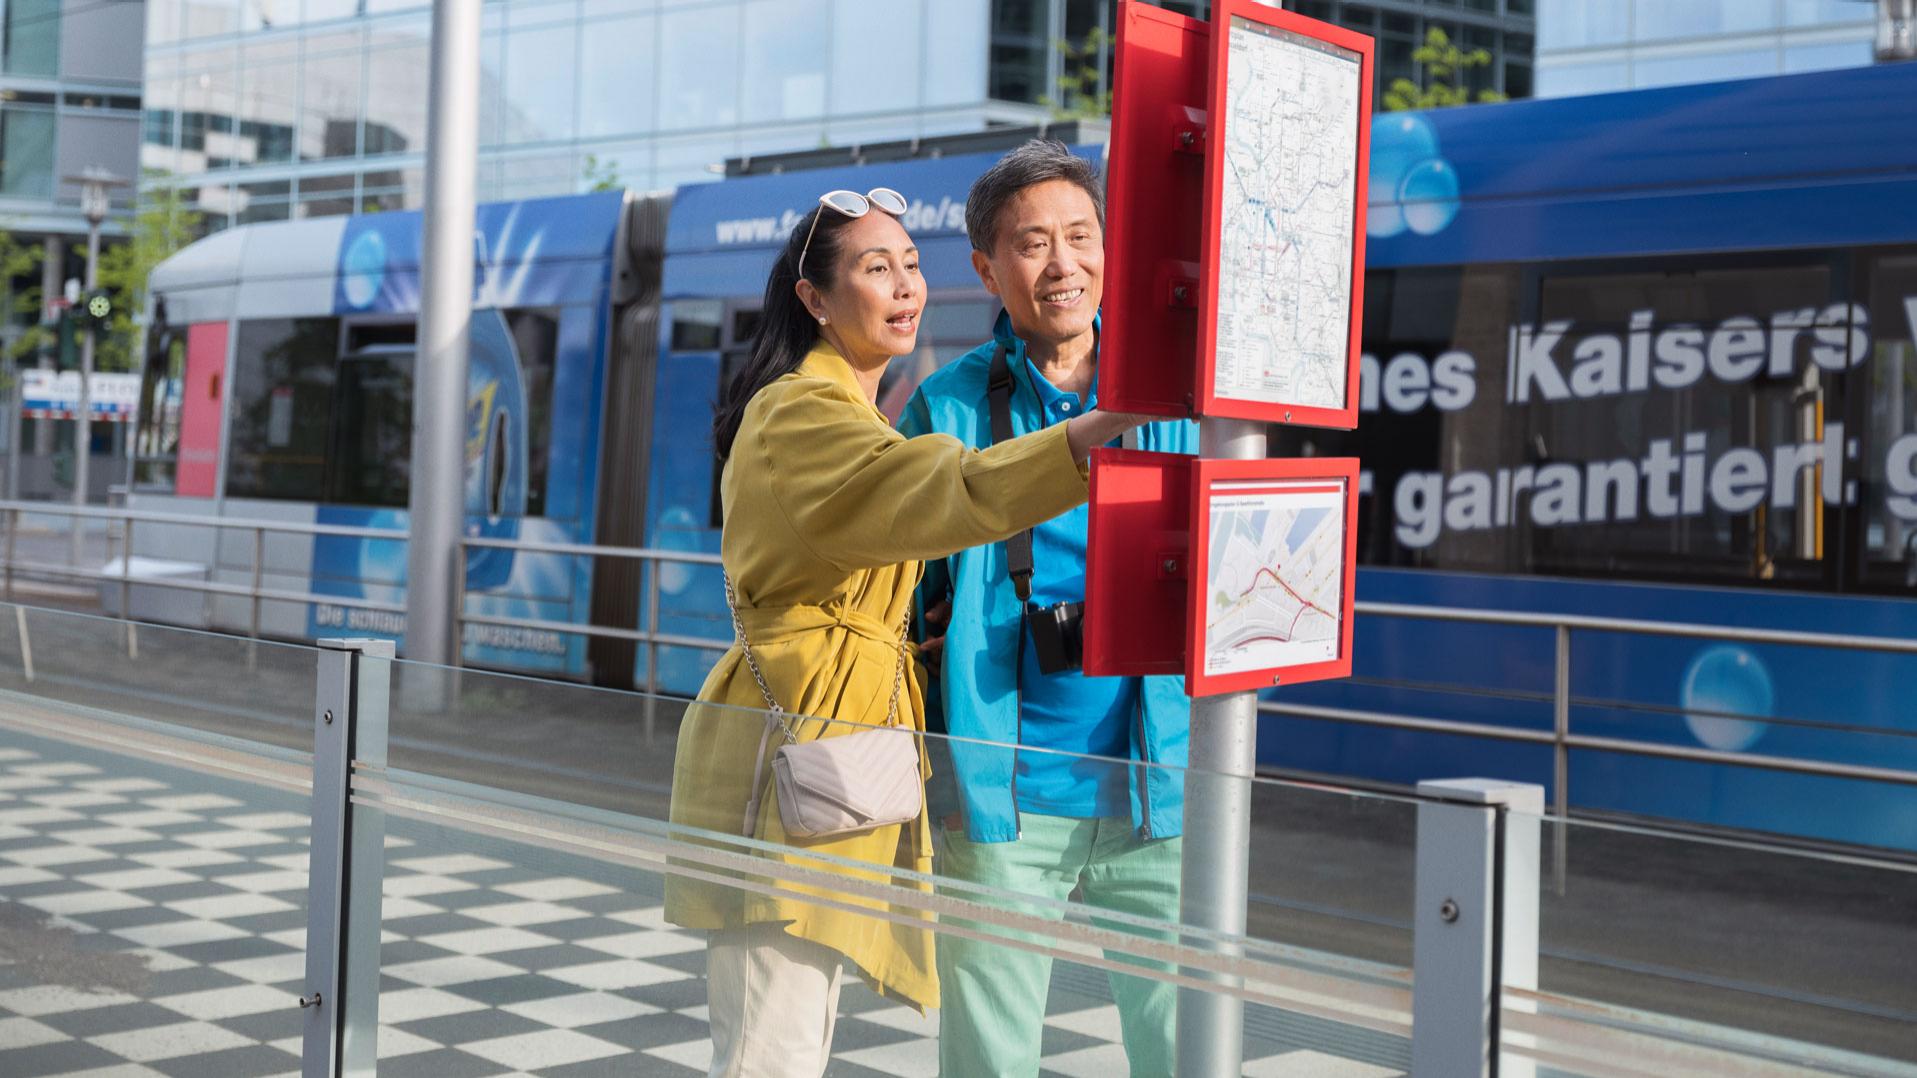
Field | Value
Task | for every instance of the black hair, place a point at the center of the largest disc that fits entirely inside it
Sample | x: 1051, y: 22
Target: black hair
x: 786, y: 329
x: 1036, y: 162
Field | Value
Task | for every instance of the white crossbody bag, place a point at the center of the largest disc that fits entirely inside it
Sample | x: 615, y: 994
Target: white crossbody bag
x: 835, y: 785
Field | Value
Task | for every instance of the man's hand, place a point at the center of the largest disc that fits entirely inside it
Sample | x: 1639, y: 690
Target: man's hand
x: 932, y: 648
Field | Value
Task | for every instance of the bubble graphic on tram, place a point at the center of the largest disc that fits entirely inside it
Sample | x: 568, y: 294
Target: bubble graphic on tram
x: 362, y: 269
x: 1725, y: 680
x: 1412, y: 185
x: 496, y: 453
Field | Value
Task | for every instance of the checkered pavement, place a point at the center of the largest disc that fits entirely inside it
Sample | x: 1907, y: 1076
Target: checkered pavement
x: 152, y: 922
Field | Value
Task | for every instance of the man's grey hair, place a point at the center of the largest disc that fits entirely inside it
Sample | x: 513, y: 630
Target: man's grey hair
x: 1035, y: 162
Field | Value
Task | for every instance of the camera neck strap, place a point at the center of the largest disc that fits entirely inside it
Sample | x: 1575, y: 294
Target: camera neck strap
x: 1018, y: 548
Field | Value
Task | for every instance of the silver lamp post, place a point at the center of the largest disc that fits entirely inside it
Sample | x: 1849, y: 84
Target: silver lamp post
x: 95, y: 183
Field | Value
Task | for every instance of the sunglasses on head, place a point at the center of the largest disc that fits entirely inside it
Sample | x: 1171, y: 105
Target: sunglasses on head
x: 855, y: 205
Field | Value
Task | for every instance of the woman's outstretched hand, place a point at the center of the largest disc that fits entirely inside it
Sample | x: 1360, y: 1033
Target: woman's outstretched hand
x: 1086, y: 432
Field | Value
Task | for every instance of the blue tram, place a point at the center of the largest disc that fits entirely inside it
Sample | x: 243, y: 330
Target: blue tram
x: 1646, y: 355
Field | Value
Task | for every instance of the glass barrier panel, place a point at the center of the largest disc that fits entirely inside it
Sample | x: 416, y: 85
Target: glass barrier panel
x: 541, y: 894
x: 153, y: 871
x: 256, y: 691
x: 1721, y: 948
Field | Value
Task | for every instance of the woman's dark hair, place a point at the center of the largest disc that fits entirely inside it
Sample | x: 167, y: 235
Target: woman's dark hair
x: 786, y: 329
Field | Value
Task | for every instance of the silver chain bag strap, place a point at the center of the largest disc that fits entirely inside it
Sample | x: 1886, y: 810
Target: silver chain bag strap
x: 835, y: 785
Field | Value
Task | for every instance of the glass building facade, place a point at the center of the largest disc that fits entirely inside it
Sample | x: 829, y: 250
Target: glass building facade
x: 272, y: 109
x: 1504, y: 28
x: 69, y: 100
x: 1594, y: 46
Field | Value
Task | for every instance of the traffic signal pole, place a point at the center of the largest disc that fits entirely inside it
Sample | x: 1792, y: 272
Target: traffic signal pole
x: 93, y: 200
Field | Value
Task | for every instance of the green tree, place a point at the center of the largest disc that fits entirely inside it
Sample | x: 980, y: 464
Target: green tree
x: 161, y: 226
x: 1444, y: 70
x: 1082, y: 93
x: 602, y: 175
x: 21, y: 261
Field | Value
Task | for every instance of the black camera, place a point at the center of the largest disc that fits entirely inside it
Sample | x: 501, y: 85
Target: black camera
x: 1058, y: 635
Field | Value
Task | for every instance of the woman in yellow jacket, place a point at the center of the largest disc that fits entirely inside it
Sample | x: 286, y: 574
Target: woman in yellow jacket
x: 828, y: 514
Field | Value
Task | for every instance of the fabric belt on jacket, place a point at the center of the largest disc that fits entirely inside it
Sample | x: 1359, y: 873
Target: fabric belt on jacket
x: 771, y: 624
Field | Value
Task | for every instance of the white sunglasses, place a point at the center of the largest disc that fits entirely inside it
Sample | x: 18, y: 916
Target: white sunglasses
x: 854, y: 205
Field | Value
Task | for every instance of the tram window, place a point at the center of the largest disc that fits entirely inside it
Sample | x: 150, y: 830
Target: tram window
x: 1887, y: 496
x: 535, y: 333
x: 282, y: 407
x: 1658, y: 419
x: 156, y: 444
x: 695, y: 325
x: 371, y: 458
x: 1732, y: 382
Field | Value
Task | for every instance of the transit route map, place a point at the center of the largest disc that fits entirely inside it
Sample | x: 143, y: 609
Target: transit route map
x: 1275, y: 572
x: 1286, y: 222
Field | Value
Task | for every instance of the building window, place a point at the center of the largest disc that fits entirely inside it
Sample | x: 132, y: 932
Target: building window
x: 32, y: 29
x: 26, y: 153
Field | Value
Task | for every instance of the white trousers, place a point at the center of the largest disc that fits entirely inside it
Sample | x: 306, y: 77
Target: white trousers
x: 773, y: 999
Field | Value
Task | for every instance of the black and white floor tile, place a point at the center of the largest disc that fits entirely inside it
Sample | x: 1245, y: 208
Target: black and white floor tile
x: 152, y: 923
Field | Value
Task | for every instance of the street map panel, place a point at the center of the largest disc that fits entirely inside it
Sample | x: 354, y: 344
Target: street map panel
x: 1275, y: 574
x: 1286, y: 218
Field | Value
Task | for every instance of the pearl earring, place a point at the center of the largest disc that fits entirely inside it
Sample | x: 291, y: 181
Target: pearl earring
x: 822, y: 320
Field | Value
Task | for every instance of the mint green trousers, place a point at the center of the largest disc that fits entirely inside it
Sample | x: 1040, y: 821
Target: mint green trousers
x: 992, y: 1011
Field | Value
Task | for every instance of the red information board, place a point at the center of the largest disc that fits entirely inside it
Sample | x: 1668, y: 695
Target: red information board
x: 1282, y: 299
x: 1235, y: 573
x: 1236, y: 201
x: 1274, y: 550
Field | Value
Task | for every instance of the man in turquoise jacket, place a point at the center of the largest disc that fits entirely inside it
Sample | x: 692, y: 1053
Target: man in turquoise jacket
x: 1048, y: 821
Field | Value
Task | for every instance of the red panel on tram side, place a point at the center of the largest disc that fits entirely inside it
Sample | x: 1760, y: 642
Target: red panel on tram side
x: 1137, y: 548
x: 1155, y: 193
x: 202, y: 398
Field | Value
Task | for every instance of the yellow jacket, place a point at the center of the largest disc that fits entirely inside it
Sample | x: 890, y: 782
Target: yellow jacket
x: 828, y: 513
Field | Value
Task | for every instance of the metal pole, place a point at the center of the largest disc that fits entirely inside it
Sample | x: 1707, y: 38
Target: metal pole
x: 1215, y: 878
x: 650, y: 712
x: 126, y: 589
x: 259, y: 581
x: 459, y: 603
x: 437, y: 508
x: 15, y: 431
x: 83, y: 415
x: 1561, y: 758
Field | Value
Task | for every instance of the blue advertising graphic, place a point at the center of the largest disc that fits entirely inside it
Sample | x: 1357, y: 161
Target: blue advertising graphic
x: 1749, y: 164
x: 546, y: 264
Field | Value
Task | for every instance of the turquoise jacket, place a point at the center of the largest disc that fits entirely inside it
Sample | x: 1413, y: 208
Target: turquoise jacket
x: 976, y: 695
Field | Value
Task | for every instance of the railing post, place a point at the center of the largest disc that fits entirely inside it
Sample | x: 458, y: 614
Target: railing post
x: 259, y: 577
x: 1475, y: 925
x: 341, y: 990
x: 459, y: 603
x: 650, y: 709
x: 126, y: 589
x: 1561, y: 759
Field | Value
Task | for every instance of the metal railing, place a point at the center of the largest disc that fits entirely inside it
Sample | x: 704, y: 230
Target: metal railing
x: 255, y: 591
x: 650, y: 636
x: 1560, y: 737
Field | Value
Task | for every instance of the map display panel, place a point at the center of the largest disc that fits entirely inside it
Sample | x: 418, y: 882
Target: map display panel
x: 1275, y: 574
x: 1287, y: 218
